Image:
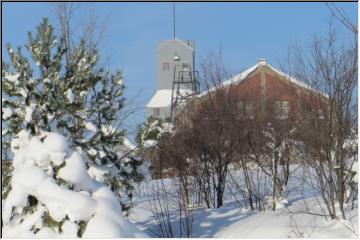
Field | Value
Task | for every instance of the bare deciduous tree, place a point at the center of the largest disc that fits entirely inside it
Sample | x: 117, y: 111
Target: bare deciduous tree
x: 330, y: 116
x: 340, y: 14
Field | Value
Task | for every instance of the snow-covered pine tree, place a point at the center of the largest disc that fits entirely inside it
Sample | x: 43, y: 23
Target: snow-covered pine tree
x: 79, y: 101
x: 52, y: 194
x: 148, y: 136
x: 150, y: 132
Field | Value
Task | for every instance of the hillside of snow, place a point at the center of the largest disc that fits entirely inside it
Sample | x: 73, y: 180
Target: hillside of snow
x: 235, y: 221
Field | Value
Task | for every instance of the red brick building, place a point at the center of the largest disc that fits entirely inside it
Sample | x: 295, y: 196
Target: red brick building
x: 263, y: 85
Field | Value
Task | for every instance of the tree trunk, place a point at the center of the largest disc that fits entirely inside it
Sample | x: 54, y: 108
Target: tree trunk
x: 276, y: 156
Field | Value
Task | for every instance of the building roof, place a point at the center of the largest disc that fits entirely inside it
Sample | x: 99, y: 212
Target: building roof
x: 242, y: 76
x: 162, y: 98
x: 234, y: 80
x: 176, y: 40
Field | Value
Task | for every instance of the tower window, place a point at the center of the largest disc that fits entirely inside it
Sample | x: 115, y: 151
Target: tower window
x: 166, y: 66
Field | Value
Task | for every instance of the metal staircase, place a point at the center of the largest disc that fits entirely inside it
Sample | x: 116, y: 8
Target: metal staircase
x: 185, y: 87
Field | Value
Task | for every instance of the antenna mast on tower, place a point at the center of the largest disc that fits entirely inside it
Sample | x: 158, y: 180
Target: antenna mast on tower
x: 174, y: 19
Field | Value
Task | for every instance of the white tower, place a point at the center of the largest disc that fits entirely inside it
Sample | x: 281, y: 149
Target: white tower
x: 175, y: 64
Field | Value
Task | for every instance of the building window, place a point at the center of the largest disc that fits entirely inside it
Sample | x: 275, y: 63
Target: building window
x: 156, y: 112
x: 282, y: 109
x: 165, y: 66
x: 246, y: 109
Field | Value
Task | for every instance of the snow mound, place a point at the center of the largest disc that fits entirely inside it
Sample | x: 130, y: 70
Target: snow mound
x: 75, y: 172
x: 55, y: 142
x: 28, y: 178
x: 69, y: 230
x: 38, y: 152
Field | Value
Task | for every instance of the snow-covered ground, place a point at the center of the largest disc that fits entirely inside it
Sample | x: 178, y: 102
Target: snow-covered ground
x: 91, y: 201
x: 233, y: 221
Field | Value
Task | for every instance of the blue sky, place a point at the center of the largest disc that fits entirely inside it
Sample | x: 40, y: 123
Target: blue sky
x: 245, y: 31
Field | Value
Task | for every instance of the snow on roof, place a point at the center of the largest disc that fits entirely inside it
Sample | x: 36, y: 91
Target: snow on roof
x: 177, y: 40
x: 296, y: 81
x: 183, y: 43
x: 162, y: 98
x: 234, y: 80
x: 241, y: 76
x: 244, y: 74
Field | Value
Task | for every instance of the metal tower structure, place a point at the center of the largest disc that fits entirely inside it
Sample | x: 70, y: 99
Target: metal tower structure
x: 185, y: 87
x: 185, y: 82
